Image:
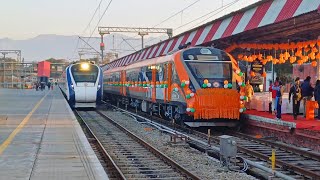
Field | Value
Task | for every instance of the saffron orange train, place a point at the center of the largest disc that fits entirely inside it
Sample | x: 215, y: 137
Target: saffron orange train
x: 196, y: 86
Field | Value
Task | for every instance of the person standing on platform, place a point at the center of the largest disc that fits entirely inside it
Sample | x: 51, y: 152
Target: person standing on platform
x: 49, y: 84
x: 274, y: 95
x: 307, y: 93
x: 295, y: 91
x: 42, y: 86
x: 280, y: 91
x: 317, y: 95
x: 36, y: 86
x: 249, y: 93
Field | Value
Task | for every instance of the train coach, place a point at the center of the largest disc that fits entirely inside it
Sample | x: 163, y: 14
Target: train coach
x: 195, y: 86
x: 84, y: 85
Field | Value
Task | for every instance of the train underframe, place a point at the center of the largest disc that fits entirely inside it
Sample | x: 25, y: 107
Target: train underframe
x: 170, y: 111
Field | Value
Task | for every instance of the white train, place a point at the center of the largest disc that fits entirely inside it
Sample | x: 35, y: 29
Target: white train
x: 83, y: 87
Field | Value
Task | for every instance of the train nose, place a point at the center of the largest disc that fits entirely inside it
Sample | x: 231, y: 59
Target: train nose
x: 217, y: 103
x: 85, y: 92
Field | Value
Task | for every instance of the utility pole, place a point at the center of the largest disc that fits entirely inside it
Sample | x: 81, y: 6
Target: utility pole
x: 142, y: 34
x: 12, y: 75
x: 102, y: 48
x: 4, y: 53
x: 4, y: 68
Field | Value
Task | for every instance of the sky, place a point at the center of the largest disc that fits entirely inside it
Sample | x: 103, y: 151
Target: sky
x: 23, y: 19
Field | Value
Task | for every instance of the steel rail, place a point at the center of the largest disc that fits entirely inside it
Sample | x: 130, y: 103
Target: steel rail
x: 311, y: 155
x: 118, y: 173
x: 152, y: 149
x: 280, y: 163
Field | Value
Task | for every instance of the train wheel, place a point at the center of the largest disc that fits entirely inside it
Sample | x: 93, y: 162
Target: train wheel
x: 162, y: 112
x: 179, y: 119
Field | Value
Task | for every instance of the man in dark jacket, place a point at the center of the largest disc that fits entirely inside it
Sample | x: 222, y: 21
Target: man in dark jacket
x: 307, y: 92
x: 295, y: 91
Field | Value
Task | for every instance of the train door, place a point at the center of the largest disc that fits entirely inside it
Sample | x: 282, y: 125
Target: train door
x: 123, y: 80
x: 161, y: 84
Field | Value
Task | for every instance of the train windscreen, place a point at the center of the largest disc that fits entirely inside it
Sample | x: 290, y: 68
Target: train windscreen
x: 210, y: 70
x: 84, y: 75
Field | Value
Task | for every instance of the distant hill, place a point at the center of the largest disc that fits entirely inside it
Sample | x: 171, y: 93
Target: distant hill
x: 62, y: 47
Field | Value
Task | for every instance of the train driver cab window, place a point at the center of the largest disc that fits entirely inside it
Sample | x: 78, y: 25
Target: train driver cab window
x: 211, y: 70
x: 208, y: 63
x: 84, y: 75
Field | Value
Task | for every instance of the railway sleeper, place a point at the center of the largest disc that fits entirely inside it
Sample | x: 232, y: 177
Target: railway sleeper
x: 142, y: 161
x: 136, y: 154
x: 146, y: 168
x: 172, y: 178
x: 134, y: 163
x: 151, y: 171
x: 139, y: 158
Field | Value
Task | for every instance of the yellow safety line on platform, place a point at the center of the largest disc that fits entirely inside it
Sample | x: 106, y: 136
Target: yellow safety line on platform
x: 8, y: 141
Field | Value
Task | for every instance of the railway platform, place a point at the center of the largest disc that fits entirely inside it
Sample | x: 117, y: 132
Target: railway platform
x: 300, y: 132
x: 40, y: 138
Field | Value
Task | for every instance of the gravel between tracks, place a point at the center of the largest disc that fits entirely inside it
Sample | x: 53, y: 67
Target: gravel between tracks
x: 193, y: 160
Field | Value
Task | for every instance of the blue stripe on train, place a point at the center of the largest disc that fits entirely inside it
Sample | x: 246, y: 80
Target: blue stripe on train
x: 100, y: 91
x: 71, y: 91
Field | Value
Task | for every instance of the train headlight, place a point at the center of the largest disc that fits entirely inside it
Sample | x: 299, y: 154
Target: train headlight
x: 72, y: 86
x: 216, y: 84
x: 99, y: 86
x: 84, y: 66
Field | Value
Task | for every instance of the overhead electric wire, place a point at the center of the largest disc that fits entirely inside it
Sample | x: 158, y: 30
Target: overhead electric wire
x: 129, y: 44
x: 221, y: 9
x: 74, y: 51
x: 92, y: 17
x: 168, y: 18
x: 227, y: 6
x: 100, y: 19
x: 176, y: 13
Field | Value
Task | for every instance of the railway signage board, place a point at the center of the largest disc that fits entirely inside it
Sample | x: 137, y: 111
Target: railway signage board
x: 257, y: 79
x: 257, y: 67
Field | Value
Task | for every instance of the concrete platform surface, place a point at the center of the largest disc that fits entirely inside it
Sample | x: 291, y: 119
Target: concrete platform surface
x: 40, y: 138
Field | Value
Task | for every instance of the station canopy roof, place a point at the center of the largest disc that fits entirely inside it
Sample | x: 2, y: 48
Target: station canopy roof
x: 267, y: 21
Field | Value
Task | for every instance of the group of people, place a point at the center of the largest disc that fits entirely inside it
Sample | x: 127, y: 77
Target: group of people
x: 303, y: 92
x: 42, y: 85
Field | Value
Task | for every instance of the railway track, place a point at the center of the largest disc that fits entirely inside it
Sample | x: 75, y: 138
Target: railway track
x: 290, y: 161
x: 128, y: 156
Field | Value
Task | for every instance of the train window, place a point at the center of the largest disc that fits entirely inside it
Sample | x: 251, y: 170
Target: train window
x: 175, y: 77
x: 117, y: 76
x: 210, y: 70
x: 161, y: 74
x: 80, y: 75
x: 145, y: 74
x: 205, y: 54
x: 132, y: 75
